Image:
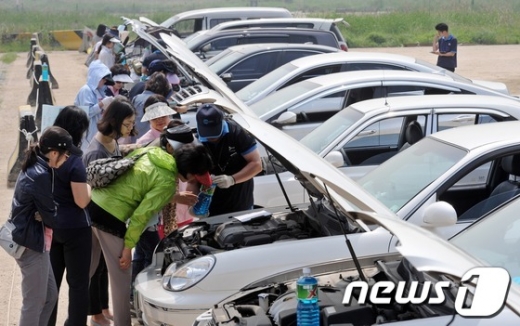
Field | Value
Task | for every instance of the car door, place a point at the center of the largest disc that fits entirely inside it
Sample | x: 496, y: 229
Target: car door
x: 213, y: 47
x: 251, y: 68
x: 377, y: 140
x: 313, y: 111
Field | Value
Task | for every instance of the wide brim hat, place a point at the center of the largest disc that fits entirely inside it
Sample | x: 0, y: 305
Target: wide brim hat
x: 157, y: 110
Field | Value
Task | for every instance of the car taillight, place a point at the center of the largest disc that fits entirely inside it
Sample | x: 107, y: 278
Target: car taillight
x: 344, y: 47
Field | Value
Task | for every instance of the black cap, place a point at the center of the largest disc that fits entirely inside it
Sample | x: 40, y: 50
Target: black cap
x: 209, y: 121
x: 58, y: 138
x: 162, y: 65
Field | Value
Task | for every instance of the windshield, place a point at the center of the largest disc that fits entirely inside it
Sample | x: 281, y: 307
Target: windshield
x: 250, y: 91
x: 192, y: 36
x: 277, y: 99
x: 495, y: 239
x: 403, y: 176
x: 223, y: 60
x: 446, y: 72
x: 329, y: 131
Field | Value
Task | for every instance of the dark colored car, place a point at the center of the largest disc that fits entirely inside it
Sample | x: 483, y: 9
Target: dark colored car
x: 241, y: 65
x: 209, y: 43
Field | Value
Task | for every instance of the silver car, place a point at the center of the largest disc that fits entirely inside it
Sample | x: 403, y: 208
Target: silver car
x: 302, y: 69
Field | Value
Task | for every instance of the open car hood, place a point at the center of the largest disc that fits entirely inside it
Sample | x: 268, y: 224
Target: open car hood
x: 310, y: 169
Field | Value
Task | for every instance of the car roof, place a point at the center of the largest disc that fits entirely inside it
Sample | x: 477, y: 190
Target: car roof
x: 475, y: 136
x: 267, y: 30
x: 251, y: 48
x: 205, y: 11
x: 354, y: 56
x: 403, y: 103
x: 360, y: 75
x: 260, y: 21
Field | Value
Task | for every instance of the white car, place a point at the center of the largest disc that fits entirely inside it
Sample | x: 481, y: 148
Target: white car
x: 360, y: 137
x: 299, y: 108
x: 190, y: 273
x: 301, y: 69
x: 492, y: 241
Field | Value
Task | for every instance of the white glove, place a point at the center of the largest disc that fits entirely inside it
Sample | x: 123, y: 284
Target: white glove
x: 106, y: 101
x: 223, y: 181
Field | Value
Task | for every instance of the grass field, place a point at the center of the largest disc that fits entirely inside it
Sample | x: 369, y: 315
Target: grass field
x: 373, y: 23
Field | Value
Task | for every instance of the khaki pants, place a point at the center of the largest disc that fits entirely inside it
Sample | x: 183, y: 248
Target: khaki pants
x: 120, y: 280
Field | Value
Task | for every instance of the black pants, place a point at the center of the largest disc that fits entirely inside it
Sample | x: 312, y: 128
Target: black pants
x: 70, y: 250
x: 99, y: 289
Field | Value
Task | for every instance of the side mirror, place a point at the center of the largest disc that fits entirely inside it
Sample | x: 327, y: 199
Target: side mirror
x: 439, y: 214
x: 335, y: 158
x: 205, y: 48
x: 227, y: 77
x: 286, y: 118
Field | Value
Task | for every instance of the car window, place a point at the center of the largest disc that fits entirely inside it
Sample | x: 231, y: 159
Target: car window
x: 494, y: 239
x: 320, y: 71
x: 223, y: 60
x: 221, y: 43
x: 253, y: 89
x: 379, y: 141
x: 402, y: 177
x: 215, y: 21
x: 275, y: 100
x: 373, y: 66
x: 290, y: 55
x: 329, y: 131
x: 264, y: 39
x: 188, y: 26
x: 255, y: 66
x: 447, y: 121
x: 321, y: 107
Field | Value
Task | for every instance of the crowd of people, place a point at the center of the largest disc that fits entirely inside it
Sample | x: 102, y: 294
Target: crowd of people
x: 101, y: 237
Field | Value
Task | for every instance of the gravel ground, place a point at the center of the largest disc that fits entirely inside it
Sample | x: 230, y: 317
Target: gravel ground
x: 494, y: 63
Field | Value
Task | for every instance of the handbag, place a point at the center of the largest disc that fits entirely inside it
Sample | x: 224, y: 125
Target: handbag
x: 6, y: 240
x: 101, y: 172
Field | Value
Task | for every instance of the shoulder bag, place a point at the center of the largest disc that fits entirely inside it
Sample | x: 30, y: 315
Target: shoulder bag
x: 101, y: 172
x: 6, y: 240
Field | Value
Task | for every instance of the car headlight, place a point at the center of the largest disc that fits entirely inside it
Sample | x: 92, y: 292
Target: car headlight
x: 183, y: 277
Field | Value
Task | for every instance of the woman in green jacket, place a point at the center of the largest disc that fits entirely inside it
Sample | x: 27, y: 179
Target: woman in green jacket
x: 123, y: 209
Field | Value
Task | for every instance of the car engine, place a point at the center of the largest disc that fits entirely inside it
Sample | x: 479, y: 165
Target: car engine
x: 250, y: 228
x: 276, y: 305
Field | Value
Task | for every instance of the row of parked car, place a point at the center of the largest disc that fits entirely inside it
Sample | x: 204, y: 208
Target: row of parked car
x: 392, y: 154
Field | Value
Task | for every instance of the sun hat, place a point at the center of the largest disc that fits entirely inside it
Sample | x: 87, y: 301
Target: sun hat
x: 56, y: 138
x: 209, y: 121
x: 124, y: 78
x: 157, y: 110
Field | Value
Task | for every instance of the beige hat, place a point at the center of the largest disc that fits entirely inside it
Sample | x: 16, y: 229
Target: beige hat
x: 157, y: 110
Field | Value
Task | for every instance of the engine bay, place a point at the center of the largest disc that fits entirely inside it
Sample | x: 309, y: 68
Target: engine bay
x: 251, y: 228
x: 276, y: 305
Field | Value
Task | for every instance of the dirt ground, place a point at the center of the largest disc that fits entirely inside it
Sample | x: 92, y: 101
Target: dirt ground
x: 493, y: 63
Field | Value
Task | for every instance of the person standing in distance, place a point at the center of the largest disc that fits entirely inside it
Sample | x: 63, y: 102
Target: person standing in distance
x: 235, y: 157
x: 445, y: 46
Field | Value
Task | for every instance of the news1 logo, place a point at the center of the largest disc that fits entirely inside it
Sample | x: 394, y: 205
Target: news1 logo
x: 490, y: 284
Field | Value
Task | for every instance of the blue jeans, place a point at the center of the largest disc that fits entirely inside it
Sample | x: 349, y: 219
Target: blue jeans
x: 143, y: 252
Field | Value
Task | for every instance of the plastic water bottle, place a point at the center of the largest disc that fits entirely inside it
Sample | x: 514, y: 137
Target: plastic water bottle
x: 308, y: 309
x: 45, y: 72
x: 201, y: 208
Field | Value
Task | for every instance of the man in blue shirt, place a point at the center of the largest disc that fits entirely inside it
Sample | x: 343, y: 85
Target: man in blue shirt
x: 445, y: 46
